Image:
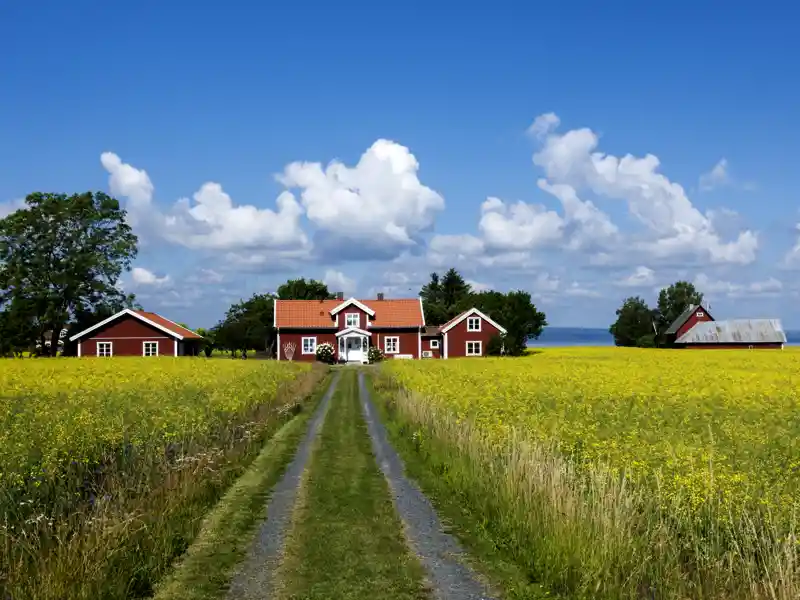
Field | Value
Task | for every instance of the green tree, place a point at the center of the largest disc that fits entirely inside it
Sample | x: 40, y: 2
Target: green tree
x: 518, y: 315
x: 300, y: 289
x: 63, y: 254
x: 674, y: 300
x: 445, y: 297
x: 17, y: 328
x: 634, y: 324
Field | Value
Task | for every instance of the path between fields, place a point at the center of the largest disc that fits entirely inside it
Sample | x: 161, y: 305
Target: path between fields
x: 345, y: 519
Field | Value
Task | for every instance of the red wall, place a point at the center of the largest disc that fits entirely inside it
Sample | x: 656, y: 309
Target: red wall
x: 127, y: 335
x: 693, y: 320
x: 426, y: 345
x: 297, y: 337
x: 457, y: 338
x: 362, y: 317
x: 409, y: 341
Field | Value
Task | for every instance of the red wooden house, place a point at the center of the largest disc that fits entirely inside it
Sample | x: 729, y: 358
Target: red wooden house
x: 137, y: 333
x: 696, y: 328
x: 396, y: 326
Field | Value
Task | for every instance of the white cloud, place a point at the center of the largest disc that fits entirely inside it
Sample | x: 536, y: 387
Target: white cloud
x: 544, y: 124
x: 477, y: 286
x: 206, y: 276
x: 767, y: 287
x: 641, y: 277
x: 716, y: 177
x: 379, y: 202
x: 339, y: 282
x: 675, y: 226
x: 142, y: 276
x: 6, y: 208
x: 518, y: 226
x: 211, y: 221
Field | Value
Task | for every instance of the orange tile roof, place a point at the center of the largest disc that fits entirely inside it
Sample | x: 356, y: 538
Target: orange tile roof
x: 171, y: 325
x: 404, y: 312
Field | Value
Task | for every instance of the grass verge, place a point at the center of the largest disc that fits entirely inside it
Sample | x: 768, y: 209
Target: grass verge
x: 205, y: 570
x: 346, y: 539
x: 488, y: 554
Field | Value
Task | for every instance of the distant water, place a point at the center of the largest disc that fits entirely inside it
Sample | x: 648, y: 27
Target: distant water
x: 581, y: 336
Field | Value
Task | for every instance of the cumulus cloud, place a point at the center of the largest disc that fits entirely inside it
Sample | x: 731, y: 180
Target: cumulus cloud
x: 380, y: 202
x: 339, y: 282
x: 716, y: 177
x: 544, y: 124
x: 767, y: 287
x: 674, y: 225
x: 145, y: 277
x: 640, y: 278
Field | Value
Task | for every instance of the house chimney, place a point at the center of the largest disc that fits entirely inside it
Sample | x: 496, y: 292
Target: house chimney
x: 380, y: 295
x: 340, y: 295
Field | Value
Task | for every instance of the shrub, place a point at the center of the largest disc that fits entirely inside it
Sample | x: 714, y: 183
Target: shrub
x: 375, y: 355
x: 325, y: 353
x: 495, y: 346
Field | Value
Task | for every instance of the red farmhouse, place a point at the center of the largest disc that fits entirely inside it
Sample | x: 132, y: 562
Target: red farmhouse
x: 397, y: 327
x: 696, y: 328
x: 137, y: 333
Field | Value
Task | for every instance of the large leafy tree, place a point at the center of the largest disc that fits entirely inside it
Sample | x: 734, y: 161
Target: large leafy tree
x: 444, y: 297
x: 518, y: 315
x: 674, y: 300
x: 300, y: 289
x: 61, y: 255
x: 634, y: 324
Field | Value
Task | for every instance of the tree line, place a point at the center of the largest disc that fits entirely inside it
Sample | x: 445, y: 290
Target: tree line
x: 639, y: 325
x: 62, y: 256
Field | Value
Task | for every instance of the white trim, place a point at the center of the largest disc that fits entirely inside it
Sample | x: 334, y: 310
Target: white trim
x: 110, y: 348
x: 123, y: 312
x: 303, y: 344
x: 470, y: 312
x: 445, y: 345
x: 386, y: 338
x: 473, y: 318
x: 422, y: 311
x: 419, y: 344
x: 278, y: 350
x: 437, y: 346
x: 354, y: 302
x: 353, y: 330
x: 480, y: 348
x: 176, y: 347
x: 144, y: 346
x: 79, y: 348
x: 275, y: 313
x: 347, y: 319
x: 130, y: 337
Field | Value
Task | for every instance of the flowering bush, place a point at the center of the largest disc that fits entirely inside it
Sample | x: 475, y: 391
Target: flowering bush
x: 325, y: 353
x: 375, y: 355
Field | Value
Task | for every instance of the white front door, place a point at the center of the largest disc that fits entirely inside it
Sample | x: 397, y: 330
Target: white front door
x: 355, y: 349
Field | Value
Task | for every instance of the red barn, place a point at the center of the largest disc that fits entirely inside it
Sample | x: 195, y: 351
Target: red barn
x: 696, y: 328
x: 396, y: 326
x: 137, y: 333
x: 687, y: 319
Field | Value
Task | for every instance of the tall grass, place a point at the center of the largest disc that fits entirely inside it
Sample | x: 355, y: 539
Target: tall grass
x: 109, y: 518
x: 584, y: 530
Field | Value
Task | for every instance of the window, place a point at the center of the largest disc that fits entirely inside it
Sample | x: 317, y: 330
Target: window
x: 352, y: 319
x: 391, y: 345
x: 309, y: 345
x: 700, y: 313
x: 474, y: 349
x: 473, y: 324
x: 150, y: 349
x: 434, y: 344
x: 104, y: 349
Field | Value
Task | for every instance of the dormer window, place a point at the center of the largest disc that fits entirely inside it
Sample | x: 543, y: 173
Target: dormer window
x: 352, y: 320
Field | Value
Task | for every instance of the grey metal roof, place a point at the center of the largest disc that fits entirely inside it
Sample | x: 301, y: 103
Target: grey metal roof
x: 735, y: 331
x: 684, y: 316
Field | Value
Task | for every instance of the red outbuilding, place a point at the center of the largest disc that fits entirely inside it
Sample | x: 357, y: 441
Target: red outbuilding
x: 137, y: 333
x: 696, y: 328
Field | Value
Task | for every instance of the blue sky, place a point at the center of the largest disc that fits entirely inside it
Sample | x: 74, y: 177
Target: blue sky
x: 583, y: 153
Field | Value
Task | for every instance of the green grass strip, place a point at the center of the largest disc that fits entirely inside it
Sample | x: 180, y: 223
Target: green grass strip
x: 487, y: 553
x: 346, y: 539
x: 205, y: 570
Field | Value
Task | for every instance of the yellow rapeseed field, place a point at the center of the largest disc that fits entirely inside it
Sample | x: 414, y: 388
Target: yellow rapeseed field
x: 697, y: 424
x: 56, y: 411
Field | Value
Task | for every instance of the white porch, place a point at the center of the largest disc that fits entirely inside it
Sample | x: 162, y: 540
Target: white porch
x: 353, y: 345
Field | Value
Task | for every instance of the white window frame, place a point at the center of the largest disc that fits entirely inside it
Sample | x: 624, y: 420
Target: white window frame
x: 349, y: 323
x: 700, y: 314
x: 471, y: 320
x: 144, y: 348
x: 480, y: 348
x: 103, y: 343
x: 396, y: 341
x: 303, y: 345
x: 434, y: 344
